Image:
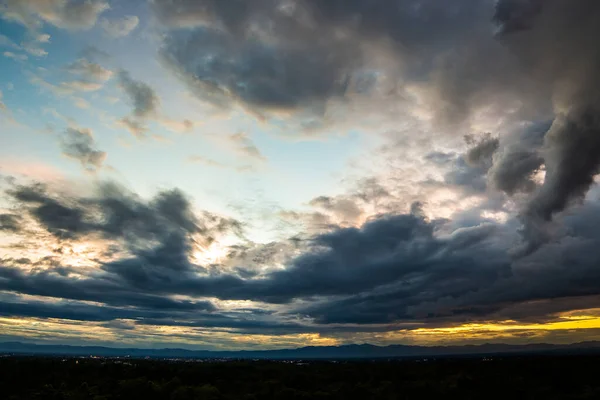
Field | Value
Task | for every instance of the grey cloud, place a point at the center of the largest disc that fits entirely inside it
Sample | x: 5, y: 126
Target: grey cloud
x: 405, y: 21
x: 514, y: 171
x: 89, y: 70
x: 394, y: 268
x: 469, y: 170
x: 84, y: 312
x: 273, y: 54
x: 144, y: 99
x: 186, y: 13
x: 507, y: 164
x: 518, y: 160
x: 219, y: 68
x: 440, y: 158
x: 199, y: 314
x: 93, y: 53
x: 370, y: 190
x: 118, y: 214
x: 459, y: 290
x: 157, y: 234
x: 553, y: 40
x: 61, y: 220
x: 81, y: 14
x: 516, y: 15
x: 482, y: 151
x: 472, y: 179
x: 68, y: 14
x: 342, y: 263
x: 332, y: 212
x: 10, y: 223
x: 449, y: 45
x: 572, y: 159
x: 80, y: 145
x: 352, y: 260
x: 120, y: 27
x: 48, y: 283
x: 542, y: 55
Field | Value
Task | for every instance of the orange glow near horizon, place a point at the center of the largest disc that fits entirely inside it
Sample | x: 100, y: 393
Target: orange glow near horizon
x: 578, y: 327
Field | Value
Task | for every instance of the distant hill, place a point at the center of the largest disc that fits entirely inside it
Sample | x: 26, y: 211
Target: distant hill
x: 365, y: 351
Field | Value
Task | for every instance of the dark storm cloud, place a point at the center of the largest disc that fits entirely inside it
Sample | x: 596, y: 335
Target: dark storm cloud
x: 405, y: 21
x: 560, y: 278
x: 398, y: 269
x: 519, y: 159
x: 572, y: 160
x: 341, y: 262
x: 219, y: 68
x: 516, y: 15
x: 61, y: 220
x: 553, y: 39
x: 86, y: 312
x: 117, y: 214
x: 80, y: 145
x: 273, y: 54
x: 383, y: 251
x: 243, y: 321
x: 513, y: 173
x: 54, y: 284
x: 158, y: 235
x: 448, y: 45
x: 395, y: 268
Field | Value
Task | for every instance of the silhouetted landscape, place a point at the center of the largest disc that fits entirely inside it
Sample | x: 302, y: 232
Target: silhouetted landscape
x: 365, y: 351
x: 518, y: 377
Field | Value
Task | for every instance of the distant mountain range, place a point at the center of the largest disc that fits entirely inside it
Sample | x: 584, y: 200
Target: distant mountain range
x: 365, y: 351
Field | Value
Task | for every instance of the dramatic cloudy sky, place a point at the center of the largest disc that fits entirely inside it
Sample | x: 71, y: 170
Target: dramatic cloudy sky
x: 231, y: 174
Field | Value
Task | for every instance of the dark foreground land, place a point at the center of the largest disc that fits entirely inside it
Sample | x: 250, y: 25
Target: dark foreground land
x: 515, y: 377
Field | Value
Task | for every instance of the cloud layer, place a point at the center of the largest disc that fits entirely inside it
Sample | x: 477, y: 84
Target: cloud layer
x: 475, y: 202
x: 394, y: 269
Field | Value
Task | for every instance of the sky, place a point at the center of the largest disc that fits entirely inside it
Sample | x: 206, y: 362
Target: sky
x: 236, y: 174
